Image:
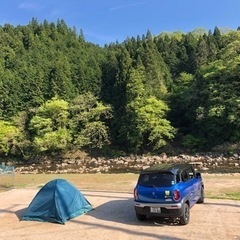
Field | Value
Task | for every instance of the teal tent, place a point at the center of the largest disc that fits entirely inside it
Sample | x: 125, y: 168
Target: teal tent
x: 57, y: 201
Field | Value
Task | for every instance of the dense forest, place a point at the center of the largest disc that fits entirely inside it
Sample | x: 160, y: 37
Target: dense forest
x: 60, y: 93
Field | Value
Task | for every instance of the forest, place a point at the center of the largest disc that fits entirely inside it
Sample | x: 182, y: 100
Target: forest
x: 148, y: 94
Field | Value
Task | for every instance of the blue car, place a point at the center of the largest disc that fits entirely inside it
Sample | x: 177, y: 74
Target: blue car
x: 168, y: 191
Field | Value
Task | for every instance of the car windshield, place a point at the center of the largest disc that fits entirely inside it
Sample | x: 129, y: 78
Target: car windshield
x: 156, y: 179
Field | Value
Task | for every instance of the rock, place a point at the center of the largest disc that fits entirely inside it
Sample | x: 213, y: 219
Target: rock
x: 133, y: 163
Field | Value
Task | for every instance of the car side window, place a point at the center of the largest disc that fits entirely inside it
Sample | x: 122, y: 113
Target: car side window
x: 190, y: 173
x: 178, y: 178
x: 185, y: 176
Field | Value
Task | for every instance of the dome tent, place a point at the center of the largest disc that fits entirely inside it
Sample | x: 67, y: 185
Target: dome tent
x: 57, y: 201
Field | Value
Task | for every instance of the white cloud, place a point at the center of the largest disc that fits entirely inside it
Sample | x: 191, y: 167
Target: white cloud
x: 126, y: 6
x: 30, y: 5
x: 55, y: 12
x: 98, y: 36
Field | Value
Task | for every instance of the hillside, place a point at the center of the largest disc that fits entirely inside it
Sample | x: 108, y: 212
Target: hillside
x: 149, y: 94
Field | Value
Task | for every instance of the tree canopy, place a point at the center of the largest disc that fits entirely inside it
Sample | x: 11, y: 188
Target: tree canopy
x: 59, y: 92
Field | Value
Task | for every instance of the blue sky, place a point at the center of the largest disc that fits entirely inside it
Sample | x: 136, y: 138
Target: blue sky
x: 105, y: 21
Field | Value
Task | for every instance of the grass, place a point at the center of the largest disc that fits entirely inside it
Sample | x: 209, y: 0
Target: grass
x: 220, y: 186
x: 235, y: 196
x: 109, y: 182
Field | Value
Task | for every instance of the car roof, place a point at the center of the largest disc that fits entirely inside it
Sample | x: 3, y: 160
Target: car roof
x: 168, y: 167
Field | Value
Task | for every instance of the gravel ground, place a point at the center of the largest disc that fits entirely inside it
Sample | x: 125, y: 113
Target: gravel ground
x: 114, y: 218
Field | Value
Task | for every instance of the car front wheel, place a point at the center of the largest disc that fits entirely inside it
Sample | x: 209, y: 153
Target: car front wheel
x: 184, y: 219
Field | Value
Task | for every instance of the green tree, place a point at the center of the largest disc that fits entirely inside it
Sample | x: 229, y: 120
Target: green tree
x: 158, y: 76
x: 49, y: 126
x: 60, y: 79
x: 9, y: 134
x: 24, y: 147
x: 124, y: 63
x: 212, y: 47
x: 217, y: 37
x: 201, y: 52
x: 181, y: 101
x: 129, y: 135
x: 88, y: 122
x: 190, y: 43
x: 109, y: 74
x: 153, y: 123
x: 217, y: 103
x: 145, y: 122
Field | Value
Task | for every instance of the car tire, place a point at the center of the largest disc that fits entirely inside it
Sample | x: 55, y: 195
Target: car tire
x: 184, y: 219
x: 201, y: 199
x: 141, y: 217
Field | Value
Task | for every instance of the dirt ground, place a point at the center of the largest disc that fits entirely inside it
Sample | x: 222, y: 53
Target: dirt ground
x: 114, y: 218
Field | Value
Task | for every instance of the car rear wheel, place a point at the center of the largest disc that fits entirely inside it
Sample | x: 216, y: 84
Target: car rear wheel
x: 184, y: 219
x: 201, y: 199
x: 141, y: 217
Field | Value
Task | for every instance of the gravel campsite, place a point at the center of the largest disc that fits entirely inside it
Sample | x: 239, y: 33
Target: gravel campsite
x: 113, y: 217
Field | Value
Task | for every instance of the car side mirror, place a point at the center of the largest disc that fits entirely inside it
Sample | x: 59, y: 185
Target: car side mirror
x: 198, y: 175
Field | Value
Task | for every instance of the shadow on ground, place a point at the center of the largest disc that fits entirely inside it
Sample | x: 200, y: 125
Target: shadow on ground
x: 20, y: 213
x: 122, y: 211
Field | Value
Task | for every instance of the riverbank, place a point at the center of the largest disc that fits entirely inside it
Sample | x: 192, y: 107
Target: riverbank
x: 72, y: 163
